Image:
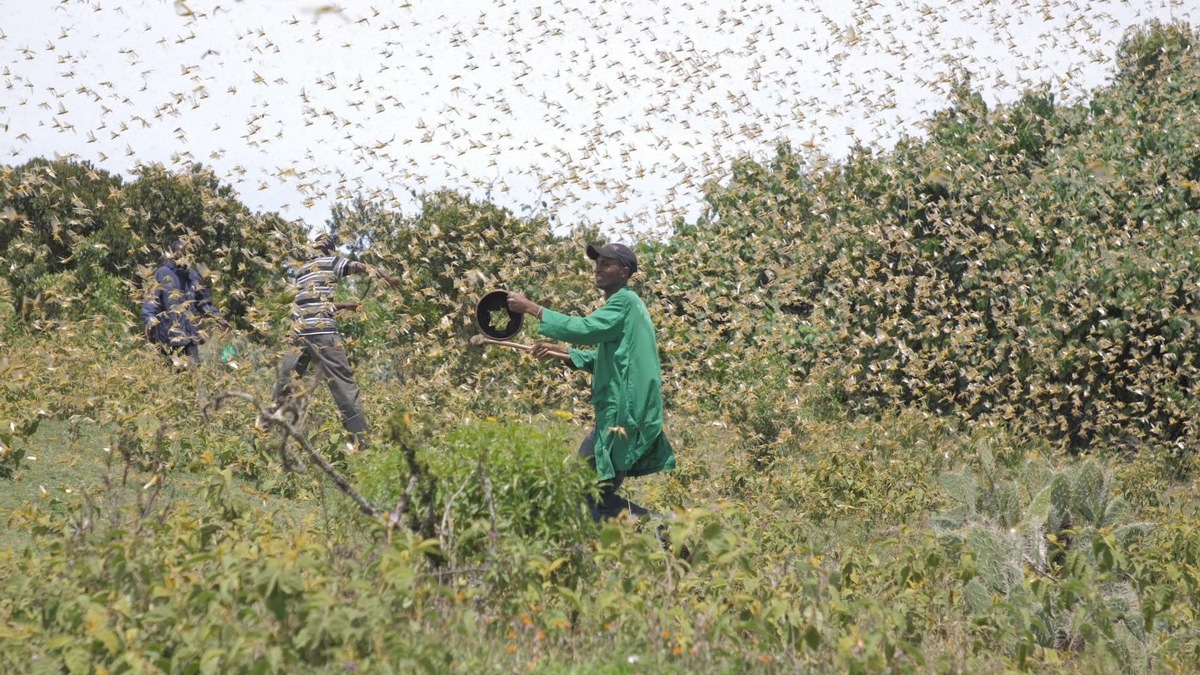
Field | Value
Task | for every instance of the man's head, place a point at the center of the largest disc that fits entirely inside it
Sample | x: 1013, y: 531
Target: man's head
x: 615, y: 263
x: 180, y: 251
x: 326, y: 243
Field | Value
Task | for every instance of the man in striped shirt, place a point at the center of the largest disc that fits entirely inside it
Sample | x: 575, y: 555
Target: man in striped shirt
x: 315, y: 338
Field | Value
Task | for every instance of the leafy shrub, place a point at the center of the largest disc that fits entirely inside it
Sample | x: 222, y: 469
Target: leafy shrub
x: 497, y: 484
x: 1042, y: 555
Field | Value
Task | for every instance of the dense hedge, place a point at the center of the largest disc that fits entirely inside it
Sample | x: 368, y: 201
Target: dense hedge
x: 76, y: 240
x: 1035, y: 263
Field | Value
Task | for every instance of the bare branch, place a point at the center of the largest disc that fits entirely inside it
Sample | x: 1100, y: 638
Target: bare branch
x: 276, y: 419
x: 487, y: 493
x: 446, y: 532
x: 399, y: 515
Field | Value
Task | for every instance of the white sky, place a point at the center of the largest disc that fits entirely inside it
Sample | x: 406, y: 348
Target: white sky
x: 613, y: 113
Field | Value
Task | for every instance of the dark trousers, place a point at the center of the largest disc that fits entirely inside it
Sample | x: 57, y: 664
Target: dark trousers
x: 190, y: 352
x: 329, y: 356
x: 186, y: 360
x: 609, y: 504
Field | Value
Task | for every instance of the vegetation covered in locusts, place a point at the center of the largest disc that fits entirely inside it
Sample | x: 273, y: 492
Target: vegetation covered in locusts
x: 934, y: 409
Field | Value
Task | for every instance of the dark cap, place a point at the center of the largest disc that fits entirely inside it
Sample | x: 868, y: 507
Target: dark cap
x: 326, y: 241
x: 618, y: 252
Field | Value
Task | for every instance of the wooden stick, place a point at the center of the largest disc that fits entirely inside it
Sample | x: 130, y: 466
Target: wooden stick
x: 480, y: 340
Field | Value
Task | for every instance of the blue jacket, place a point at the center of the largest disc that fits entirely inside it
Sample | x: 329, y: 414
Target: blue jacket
x: 174, y: 305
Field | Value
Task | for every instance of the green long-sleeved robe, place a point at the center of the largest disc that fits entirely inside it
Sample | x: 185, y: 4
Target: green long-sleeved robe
x: 626, y: 382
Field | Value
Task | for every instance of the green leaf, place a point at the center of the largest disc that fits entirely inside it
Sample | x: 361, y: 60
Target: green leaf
x: 78, y: 661
x: 108, y: 638
x: 977, y: 596
x: 812, y: 637
x: 610, y: 535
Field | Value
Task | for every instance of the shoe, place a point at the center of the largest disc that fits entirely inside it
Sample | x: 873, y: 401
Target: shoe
x: 662, y: 529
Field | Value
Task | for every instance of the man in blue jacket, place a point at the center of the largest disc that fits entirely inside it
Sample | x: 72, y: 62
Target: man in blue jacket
x: 178, y: 298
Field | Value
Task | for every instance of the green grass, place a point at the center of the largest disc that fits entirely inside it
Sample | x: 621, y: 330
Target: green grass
x: 64, y: 460
x: 60, y: 460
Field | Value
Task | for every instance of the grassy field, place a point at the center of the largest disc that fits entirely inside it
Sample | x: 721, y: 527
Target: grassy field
x: 64, y: 461
x: 144, y: 537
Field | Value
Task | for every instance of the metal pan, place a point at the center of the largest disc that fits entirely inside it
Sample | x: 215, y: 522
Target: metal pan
x: 490, y: 315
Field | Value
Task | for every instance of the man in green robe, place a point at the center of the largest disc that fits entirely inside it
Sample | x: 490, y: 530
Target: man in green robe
x: 626, y: 378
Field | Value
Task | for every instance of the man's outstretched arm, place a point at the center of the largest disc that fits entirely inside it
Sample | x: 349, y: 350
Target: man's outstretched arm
x: 356, y: 267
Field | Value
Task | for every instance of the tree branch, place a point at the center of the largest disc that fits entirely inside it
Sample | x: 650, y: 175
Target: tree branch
x: 277, y: 420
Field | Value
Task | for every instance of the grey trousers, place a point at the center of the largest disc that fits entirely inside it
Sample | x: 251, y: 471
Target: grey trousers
x: 329, y: 356
x: 609, y: 504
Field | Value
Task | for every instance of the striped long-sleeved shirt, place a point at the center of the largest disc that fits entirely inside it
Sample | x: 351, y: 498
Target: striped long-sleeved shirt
x: 316, y: 280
